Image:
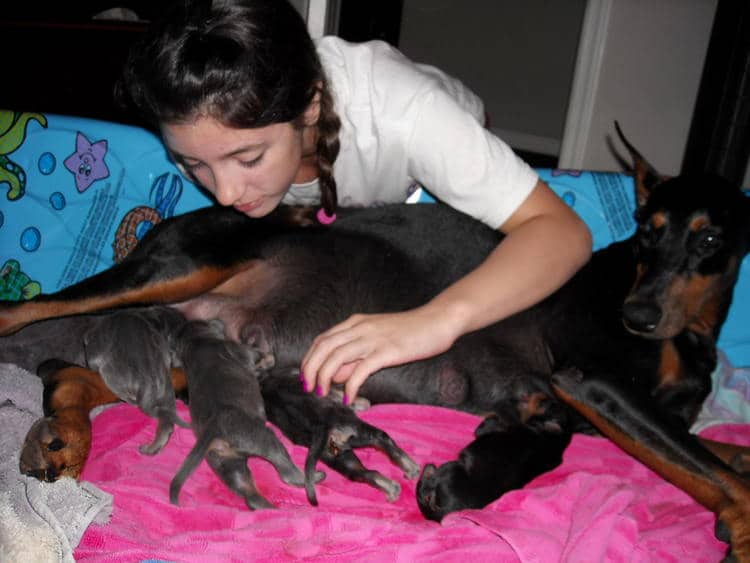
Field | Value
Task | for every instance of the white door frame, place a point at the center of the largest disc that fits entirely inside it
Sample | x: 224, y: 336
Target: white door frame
x: 585, y: 83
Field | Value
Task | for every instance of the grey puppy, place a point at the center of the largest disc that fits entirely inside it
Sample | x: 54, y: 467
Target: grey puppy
x: 227, y: 412
x: 133, y: 351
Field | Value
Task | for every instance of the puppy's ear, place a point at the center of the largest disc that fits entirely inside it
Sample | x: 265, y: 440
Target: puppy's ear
x: 489, y: 425
x: 645, y: 176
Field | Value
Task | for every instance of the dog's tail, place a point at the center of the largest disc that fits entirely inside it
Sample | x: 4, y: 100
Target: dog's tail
x: 318, y: 443
x: 193, y: 459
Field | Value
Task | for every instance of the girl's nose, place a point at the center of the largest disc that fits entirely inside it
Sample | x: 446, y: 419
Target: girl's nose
x: 228, y: 191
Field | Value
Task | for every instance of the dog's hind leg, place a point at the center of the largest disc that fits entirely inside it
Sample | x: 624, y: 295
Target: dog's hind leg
x: 232, y: 469
x: 340, y: 457
x: 166, y: 421
x: 671, y: 451
x: 377, y: 438
x: 265, y: 444
x: 177, y: 260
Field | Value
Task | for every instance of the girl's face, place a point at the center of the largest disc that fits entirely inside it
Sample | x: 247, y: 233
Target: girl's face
x: 249, y: 169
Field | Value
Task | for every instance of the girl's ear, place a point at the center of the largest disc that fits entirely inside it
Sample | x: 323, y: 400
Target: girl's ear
x: 312, y: 113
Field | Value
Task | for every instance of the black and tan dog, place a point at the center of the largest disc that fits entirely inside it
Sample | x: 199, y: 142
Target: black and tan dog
x: 640, y: 321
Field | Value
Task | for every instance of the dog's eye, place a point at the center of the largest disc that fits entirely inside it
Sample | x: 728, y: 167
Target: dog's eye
x: 55, y: 445
x: 707, y: 242
x: 648, y: 235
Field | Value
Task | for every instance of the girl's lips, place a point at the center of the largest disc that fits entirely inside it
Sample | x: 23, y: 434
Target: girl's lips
x: 247, y: 207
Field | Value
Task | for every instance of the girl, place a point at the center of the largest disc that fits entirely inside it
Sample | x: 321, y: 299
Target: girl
x: 251, y: 109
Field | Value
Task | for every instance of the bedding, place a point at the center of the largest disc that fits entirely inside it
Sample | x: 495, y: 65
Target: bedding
x: 77, y: 194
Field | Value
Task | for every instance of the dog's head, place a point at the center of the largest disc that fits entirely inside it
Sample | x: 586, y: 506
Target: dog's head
x: 693, y: 231
x: 441, y: 490
x: 53, y: 450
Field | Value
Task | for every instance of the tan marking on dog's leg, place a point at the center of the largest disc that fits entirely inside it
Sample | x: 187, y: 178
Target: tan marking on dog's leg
x: 723, y: 492
x: 18, y: 315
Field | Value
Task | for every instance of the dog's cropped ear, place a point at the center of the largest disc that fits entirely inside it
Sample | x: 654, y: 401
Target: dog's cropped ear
x: 646, y: 177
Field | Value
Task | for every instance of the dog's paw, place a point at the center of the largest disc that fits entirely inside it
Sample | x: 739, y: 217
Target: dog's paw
x: 733, y: 527
x: 391, y: 488
x: 567, y: 379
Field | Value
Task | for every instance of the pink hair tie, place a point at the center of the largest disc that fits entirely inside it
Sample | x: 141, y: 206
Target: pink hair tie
x: 324, y: 218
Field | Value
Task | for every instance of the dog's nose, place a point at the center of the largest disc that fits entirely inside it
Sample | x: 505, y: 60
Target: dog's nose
x: 641, y: 317
x: 39, y: 474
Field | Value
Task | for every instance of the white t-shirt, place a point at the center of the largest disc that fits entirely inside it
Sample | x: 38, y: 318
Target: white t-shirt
x: 404, y: 124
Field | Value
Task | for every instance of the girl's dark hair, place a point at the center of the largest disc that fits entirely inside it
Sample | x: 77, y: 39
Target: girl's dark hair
x: 245, y: 63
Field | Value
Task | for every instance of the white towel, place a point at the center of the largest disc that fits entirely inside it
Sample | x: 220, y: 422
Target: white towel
x: 39, y: 522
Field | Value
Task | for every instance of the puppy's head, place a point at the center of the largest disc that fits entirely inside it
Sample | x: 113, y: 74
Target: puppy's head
x: 53, y: 450
x: 442, y: 490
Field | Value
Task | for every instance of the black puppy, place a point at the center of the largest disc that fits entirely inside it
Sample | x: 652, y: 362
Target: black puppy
x: 522, y: 440
x: 133, y: 352
x: 227, y: 412
x: 331, y: 431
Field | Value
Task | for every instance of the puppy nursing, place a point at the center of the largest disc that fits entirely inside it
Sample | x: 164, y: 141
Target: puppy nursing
x: 227, y: 412
x: 133, y: 352
x: 331, y: 431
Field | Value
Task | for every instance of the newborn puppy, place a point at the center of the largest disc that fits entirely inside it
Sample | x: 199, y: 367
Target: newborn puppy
x: 500, y: 459
x: 331, y: 431
x: 132, y: 350
x: 227, y: 412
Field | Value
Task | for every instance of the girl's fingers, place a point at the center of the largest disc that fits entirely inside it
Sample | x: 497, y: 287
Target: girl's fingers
x: 323, y: 340
x: 339, y: 357
x: 359, y: 375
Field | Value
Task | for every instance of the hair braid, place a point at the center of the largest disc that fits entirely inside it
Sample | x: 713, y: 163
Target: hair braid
x: 327, y: 150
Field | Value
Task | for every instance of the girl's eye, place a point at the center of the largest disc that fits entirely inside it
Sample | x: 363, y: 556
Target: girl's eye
x: 190, y: 166
x: 253, y: 162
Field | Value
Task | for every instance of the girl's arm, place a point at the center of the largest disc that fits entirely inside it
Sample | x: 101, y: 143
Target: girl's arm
x: 545, y: 244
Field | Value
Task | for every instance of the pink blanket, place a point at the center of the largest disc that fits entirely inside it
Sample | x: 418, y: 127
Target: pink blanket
x: 600, y: 505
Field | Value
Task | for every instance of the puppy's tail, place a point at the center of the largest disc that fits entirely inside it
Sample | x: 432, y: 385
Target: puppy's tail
x: 193, y: 459
x: 318, y: 443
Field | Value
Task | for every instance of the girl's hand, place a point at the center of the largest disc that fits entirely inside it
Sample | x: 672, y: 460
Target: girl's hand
x: 353, y: 350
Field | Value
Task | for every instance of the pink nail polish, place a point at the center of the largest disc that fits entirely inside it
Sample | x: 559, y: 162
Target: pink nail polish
x: 319, y: 391
x: 346, y: 399
x: 303, y: 382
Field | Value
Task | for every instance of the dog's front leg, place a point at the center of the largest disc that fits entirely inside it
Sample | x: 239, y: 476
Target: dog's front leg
x: 669, y: 450
x: 58, y: 444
